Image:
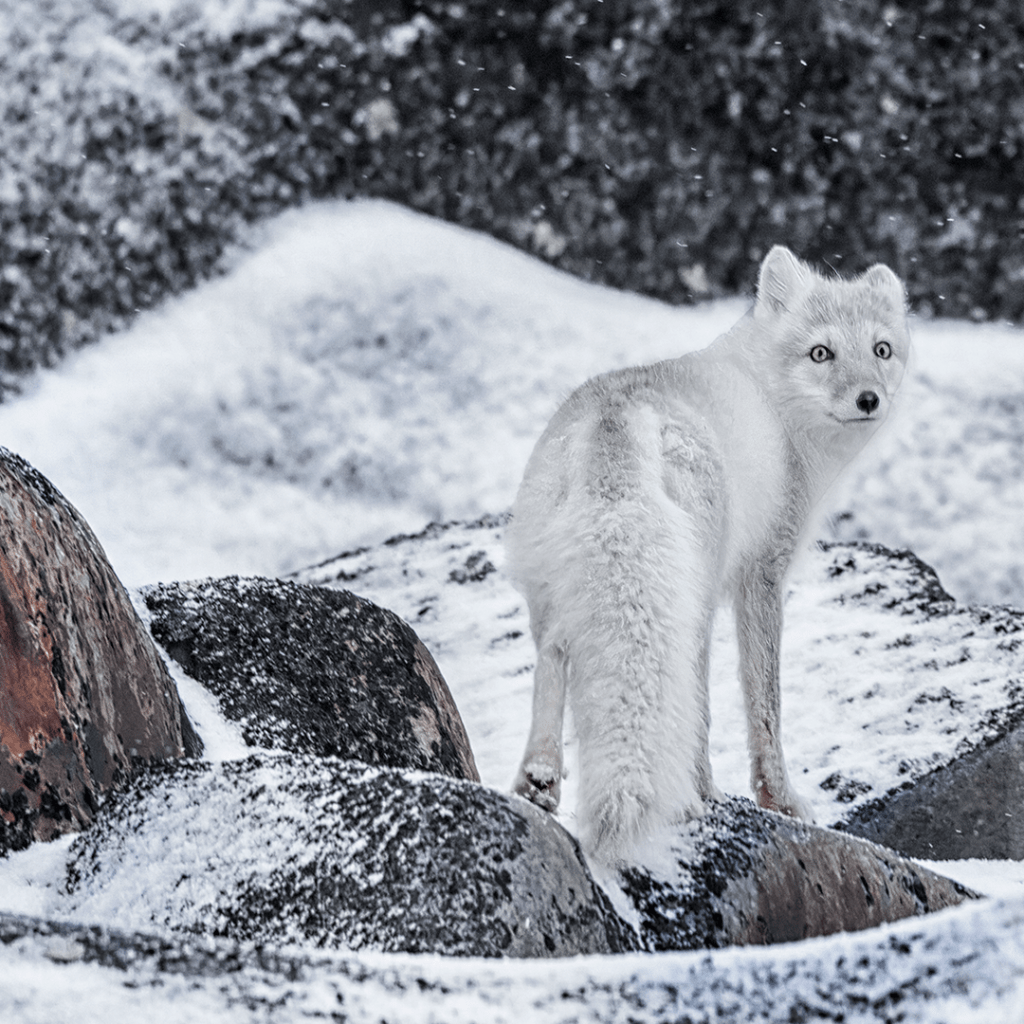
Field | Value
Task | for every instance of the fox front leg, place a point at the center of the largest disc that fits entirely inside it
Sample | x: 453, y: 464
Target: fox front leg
x: 759, y: 629
x: 539, y: 778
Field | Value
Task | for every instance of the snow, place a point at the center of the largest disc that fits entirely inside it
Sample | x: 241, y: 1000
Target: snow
x: 950, y: 972
x: 1001, y: 881
x: 362, y: 370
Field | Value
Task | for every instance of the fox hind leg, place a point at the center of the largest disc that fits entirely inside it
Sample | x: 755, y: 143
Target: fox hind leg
x: 759, y: 630
x: 539, y: 778
x: 702, y: 760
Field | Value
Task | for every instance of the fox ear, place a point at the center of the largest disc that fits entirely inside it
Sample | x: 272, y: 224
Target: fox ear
x: 885, y: 282
x: 782, y: 280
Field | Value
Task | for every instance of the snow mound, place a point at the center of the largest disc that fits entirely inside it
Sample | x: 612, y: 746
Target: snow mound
x: 362, y: 369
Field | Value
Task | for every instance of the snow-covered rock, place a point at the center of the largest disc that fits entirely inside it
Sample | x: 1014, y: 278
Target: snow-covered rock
x: 315, y: 671
x: 83, y: 692
x: 967, y: 798
x: 965, y: 966
x: 293, y: 848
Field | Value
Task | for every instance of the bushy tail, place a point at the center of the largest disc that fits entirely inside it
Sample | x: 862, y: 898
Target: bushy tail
x: 631, y: 591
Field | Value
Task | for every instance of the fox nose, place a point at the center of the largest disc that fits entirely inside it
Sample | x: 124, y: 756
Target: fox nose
x: 867, y: 402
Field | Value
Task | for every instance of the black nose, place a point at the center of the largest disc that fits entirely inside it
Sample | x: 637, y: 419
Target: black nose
x: 867, y: 402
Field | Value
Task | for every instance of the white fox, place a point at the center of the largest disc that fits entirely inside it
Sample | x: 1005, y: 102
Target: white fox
x: 655, y: 493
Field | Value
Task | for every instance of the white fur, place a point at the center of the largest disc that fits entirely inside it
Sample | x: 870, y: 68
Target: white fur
x: 657, y: 492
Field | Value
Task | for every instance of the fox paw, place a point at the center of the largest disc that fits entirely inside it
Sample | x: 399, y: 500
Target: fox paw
x: 540, y: 782
x: 787, y: 802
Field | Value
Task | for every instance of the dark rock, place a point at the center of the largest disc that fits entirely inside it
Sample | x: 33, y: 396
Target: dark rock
x: 83, y: 691
x: 971, y: 804
x: 744, y: 876
x: 314, y: 671
x: 290, y: 848
x: 972, y: 807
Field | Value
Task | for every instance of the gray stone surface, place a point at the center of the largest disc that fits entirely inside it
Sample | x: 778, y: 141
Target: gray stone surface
x: 84, y: 694
x: 972, y: 807
x: 316, y: 671
x: 295, y: 848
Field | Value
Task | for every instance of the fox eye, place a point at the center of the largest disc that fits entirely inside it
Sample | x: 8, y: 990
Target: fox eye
x: 822, y: 354
x: 883, y: 349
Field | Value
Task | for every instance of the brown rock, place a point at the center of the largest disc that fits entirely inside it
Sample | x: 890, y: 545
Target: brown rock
x: 744, y: 876
x: 83, y: 691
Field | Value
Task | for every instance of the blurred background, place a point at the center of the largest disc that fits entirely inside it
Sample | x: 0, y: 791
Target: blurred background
x: 659, y: 146
x: 282, y: 374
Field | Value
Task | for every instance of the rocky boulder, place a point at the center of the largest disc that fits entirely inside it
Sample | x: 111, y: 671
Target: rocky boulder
x: 743, y: 876
x: 84, y: 694
x: 300, y: 849
x: 313, y: 671
x: 971, y: 803
x: 972, y: 807
x: 295, y: 848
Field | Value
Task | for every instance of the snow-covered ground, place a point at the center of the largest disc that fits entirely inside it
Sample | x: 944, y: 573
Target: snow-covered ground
x: 363, y: 370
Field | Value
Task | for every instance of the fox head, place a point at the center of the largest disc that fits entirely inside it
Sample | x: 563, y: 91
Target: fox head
x: 830, y: 353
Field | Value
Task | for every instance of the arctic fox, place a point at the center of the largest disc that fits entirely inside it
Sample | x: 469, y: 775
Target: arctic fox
x: 659, y: 491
